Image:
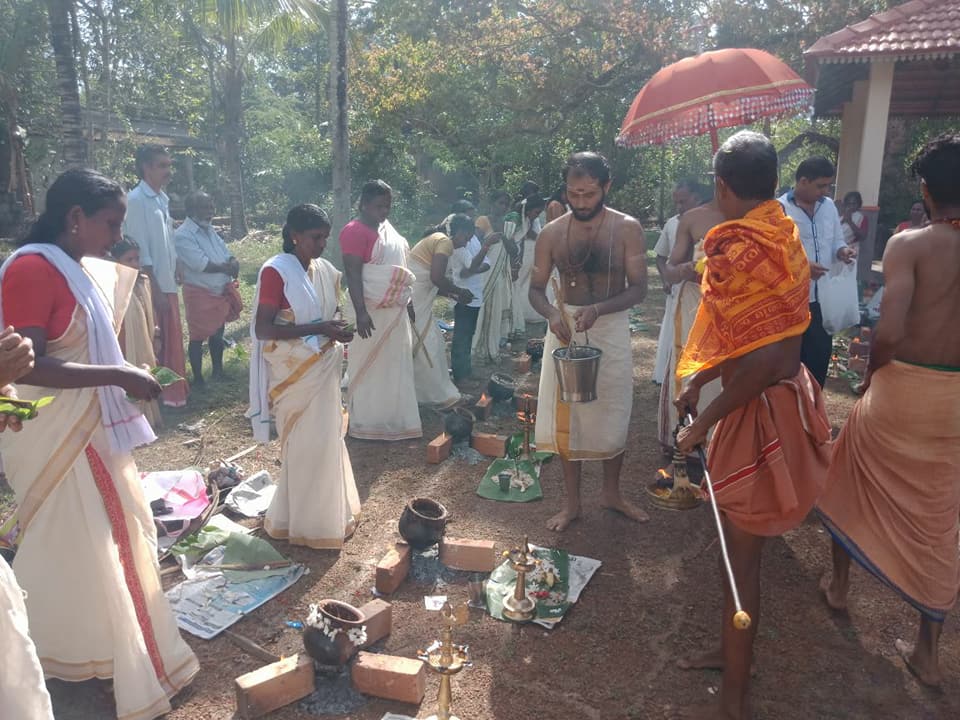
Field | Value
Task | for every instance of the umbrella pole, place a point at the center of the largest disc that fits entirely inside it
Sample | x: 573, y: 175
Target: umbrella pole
x: 714, y: 139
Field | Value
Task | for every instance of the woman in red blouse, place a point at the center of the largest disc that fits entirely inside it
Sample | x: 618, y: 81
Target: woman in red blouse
x: 88, y: 537
x: 295, y: 379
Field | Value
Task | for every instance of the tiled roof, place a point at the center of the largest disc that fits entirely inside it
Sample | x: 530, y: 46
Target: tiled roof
x: 916, y: 29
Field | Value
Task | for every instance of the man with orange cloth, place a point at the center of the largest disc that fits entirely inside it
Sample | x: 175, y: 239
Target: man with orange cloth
x: 770, y: 449
x: 893, y: 490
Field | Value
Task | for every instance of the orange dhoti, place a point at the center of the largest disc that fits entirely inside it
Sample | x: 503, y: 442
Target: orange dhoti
x: 768, y: 459
x: 893, y: 491
x: 206, y: 312
x: 171, y: 347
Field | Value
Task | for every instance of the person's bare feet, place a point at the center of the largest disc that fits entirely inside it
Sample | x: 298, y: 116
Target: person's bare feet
x: 561, y: 521
x: 628, y: 510
x: 709, y: 660
x: 922, y: 668
x: 835, y: 600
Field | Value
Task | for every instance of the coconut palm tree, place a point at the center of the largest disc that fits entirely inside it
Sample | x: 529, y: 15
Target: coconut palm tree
x: 229, y: 32
x: 19, y: 23
x: 339, y: 121
x: 71, y: 112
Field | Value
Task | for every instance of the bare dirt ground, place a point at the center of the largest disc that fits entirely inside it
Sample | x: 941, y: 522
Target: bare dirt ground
x: 655, y: 598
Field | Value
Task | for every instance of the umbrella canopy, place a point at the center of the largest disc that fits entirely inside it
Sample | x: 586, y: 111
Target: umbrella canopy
x: 722, y: 88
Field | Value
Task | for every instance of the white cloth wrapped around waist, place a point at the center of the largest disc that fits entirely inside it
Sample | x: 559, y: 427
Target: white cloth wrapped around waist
x: 387, y: 286
x: 595, y: 430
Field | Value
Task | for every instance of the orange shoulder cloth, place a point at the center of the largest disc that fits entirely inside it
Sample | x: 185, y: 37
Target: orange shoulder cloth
x: 756, y: 289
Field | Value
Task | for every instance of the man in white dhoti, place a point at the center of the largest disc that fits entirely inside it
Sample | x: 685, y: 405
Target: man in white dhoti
x: 526, y: 225
x: 686, y: 195
x: 495, y: 320
x: 382, y: 398
x: 683, y: 272
x: 600, y: 256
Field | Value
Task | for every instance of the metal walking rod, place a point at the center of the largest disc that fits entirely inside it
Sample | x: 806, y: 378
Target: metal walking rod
x: 741, y: 619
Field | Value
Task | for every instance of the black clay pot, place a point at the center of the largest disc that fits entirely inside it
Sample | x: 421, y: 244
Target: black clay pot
x: 339, y: 649
x: 501, y: 387
x: 423, y: 522
x: 535, y: 348
x: 458, y: 424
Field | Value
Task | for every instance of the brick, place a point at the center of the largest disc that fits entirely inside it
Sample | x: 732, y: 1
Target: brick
x: 390, y: 677
x: 521, y: 364
x: 439, y: 448
x: 483, y: 407
x: 274, y: 686
x: 378, y: 617
x: 472, y: 555
x: 487, y: 444
x: 393, y: 568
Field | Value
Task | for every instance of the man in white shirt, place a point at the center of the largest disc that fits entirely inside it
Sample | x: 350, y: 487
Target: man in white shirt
x: 816, y: 216
x: 149, y: 225
x: 687, y: 194
x: 467, y: 265
x: 210, y: 294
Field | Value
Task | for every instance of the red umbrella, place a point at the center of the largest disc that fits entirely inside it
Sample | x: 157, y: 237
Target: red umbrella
x: 722, y: 88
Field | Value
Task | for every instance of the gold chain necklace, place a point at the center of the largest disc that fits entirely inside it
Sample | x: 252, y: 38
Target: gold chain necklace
x: 574, y: 268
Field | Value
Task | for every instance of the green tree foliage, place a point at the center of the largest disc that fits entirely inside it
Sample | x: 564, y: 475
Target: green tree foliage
x: 447, y: 99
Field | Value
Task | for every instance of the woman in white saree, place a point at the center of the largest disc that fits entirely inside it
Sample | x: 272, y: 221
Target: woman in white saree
x: 88, y: 555
x: 382, y: 397
x: 429, y: 259
x: 295, y: 378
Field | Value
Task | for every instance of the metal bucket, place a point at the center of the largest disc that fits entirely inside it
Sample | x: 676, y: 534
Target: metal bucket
x: 577, y: 367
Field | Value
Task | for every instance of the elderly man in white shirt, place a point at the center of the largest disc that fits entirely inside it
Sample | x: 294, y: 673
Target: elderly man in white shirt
x: 149, y: 225
x: 816, y: 216
x: 210, y: 294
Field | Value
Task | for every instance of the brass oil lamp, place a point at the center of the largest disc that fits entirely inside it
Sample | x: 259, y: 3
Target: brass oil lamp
x: 446, y: 658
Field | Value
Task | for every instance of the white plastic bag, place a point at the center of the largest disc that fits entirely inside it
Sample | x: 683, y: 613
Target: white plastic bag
x: 839, y: 302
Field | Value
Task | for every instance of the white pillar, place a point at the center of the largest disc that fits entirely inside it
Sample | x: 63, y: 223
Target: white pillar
x: 851, y: 130
x: 874, y: 137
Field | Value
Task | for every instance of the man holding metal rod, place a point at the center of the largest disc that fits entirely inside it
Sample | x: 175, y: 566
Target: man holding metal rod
x: 769, y: 453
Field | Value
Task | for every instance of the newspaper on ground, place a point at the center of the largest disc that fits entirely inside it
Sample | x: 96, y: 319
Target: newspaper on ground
x: 230, y: 581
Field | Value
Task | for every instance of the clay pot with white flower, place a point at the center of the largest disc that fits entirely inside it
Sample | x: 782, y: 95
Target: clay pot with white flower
x: 334, y: 632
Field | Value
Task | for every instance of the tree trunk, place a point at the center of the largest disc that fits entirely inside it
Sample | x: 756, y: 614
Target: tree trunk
x: 71, y: 112
x: 232, y: 128
x: 339, y: 122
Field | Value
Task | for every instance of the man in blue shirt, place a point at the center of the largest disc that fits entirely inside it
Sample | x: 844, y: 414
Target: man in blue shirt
x: 149, y: 225
x: 816, y: 216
